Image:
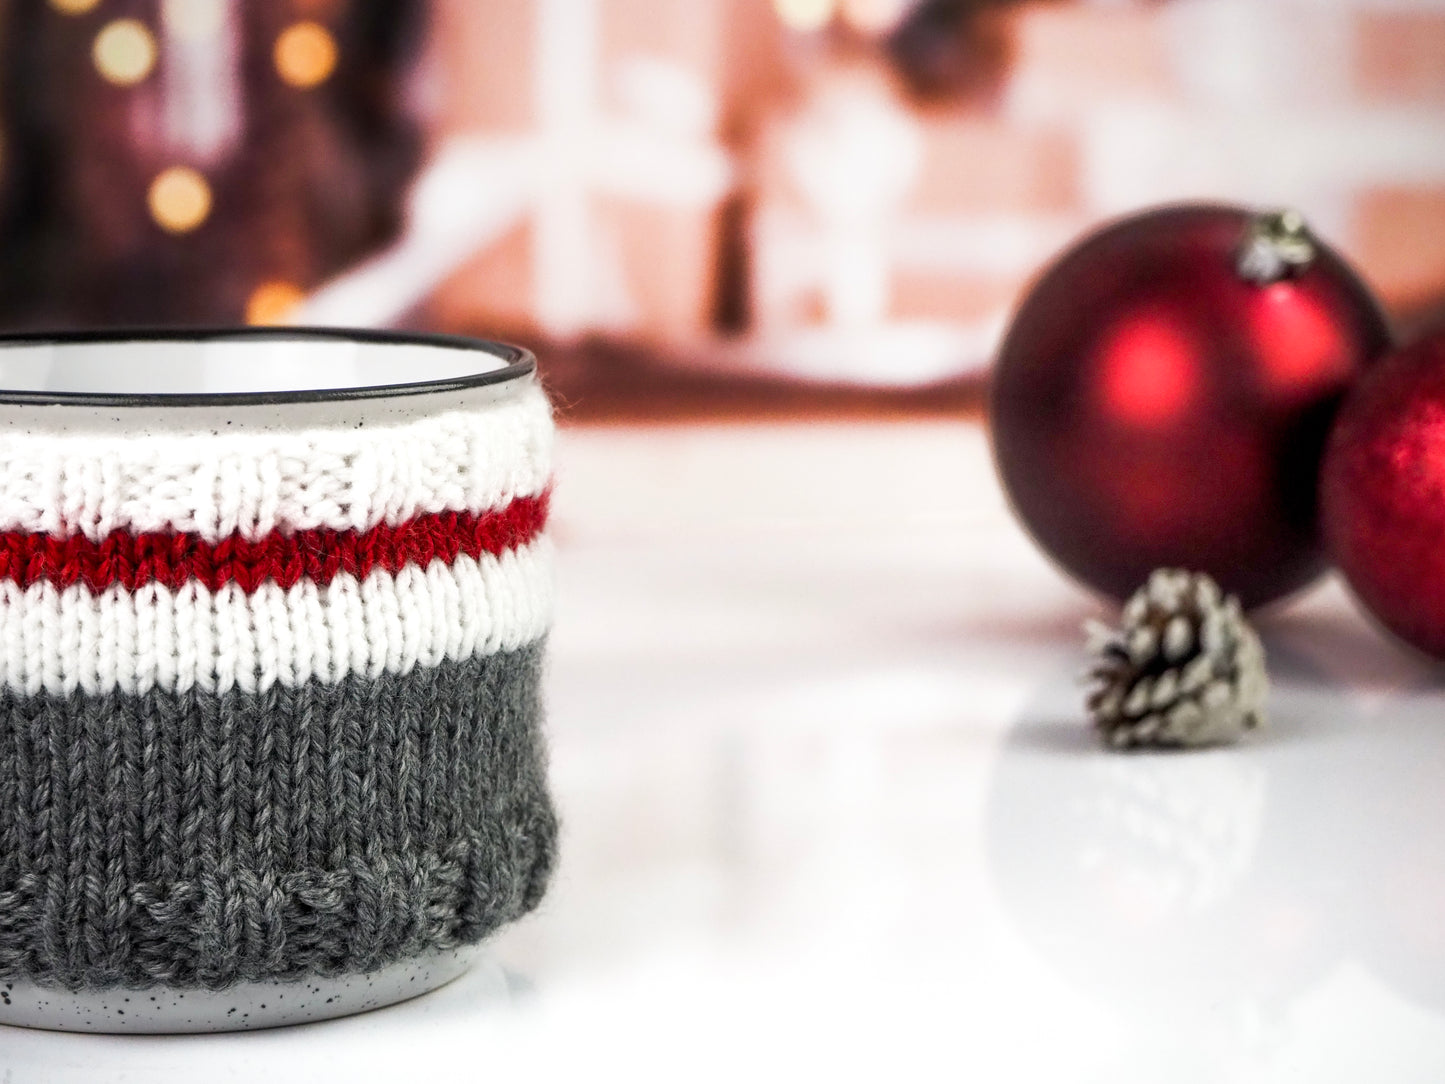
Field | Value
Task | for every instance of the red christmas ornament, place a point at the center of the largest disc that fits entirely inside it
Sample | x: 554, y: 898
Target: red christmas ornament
x: 1382, y: 493
x: 1164, y: 395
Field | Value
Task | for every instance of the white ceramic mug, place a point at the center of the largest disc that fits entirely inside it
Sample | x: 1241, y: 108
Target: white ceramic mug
x: 272, y: 608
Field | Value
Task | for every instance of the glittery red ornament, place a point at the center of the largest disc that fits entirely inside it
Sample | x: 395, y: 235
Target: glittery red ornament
x: 1382, y: 493
x: 1164, y: 395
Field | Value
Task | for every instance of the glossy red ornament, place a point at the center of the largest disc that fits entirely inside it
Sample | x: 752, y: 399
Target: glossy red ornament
x: 1382, y: 493
x: 1164, y: 395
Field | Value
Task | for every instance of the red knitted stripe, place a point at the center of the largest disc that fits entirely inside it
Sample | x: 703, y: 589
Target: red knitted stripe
x: 172, y: 558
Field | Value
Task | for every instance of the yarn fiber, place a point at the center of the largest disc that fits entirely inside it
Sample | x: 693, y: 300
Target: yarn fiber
x: 269, y: 700
x: 198, y: 839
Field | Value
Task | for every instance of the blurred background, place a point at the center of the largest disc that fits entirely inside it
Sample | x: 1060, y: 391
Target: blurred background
x: 688, y: 208
x: 805, y: 657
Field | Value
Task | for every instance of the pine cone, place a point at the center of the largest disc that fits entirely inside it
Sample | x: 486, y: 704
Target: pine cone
x: 1183, y: 669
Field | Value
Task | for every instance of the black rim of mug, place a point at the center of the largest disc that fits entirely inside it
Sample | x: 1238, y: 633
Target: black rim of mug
x: 520, y: 362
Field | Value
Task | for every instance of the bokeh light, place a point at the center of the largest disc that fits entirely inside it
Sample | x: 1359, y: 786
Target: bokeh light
x: 124, y: 52
x: 74, y: 7
x: 179, y: 199
x: 805, y: 15
x: 305, y: 54
x: 873, y: 16
x: 272, y: 303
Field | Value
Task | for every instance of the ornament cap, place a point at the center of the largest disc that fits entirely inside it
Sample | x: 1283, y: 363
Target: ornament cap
x: 1278, y: 245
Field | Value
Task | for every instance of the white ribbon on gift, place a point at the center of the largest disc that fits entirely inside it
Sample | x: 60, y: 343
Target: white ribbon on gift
x: 661, y: 150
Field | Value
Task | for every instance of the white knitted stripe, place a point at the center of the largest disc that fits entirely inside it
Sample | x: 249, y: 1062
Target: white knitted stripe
x: 64, y: 640
x: 255, y: 482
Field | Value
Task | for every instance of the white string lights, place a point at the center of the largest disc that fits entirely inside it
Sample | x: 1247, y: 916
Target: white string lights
x: 179, y: 199
x: 305, y: 55
x: 196, y: 111
x: 124, y: 52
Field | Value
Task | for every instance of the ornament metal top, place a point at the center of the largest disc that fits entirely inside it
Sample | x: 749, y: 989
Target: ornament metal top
x: 1183, y: 669
x: 1279, y: 246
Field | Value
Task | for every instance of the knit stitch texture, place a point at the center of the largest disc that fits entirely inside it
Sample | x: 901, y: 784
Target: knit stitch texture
x: 269, y: 699
x: 253, y: 483
x: 199, y: 839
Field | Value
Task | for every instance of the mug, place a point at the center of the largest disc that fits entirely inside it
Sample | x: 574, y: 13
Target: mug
x: 272, y: 613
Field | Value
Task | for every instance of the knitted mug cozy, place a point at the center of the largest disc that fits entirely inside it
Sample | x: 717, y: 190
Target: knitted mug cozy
x: 269, y: 692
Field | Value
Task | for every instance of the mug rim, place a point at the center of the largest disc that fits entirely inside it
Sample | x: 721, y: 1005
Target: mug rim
x: 519, y: 363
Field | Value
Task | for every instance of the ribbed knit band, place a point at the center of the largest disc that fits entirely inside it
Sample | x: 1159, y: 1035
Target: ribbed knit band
x: 200, y: 839
x: 269, y: 701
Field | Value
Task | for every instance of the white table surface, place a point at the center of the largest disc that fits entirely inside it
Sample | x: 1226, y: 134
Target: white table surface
x: 831, y: 812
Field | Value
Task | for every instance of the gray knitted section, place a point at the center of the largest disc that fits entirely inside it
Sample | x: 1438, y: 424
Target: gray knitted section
x: 201, y: 839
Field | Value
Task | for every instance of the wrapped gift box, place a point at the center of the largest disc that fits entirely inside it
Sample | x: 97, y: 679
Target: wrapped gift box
x: 889, y: 243
x: 617, y: 105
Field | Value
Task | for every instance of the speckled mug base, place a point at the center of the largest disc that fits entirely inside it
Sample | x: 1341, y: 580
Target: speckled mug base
x: 246, y: 1006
